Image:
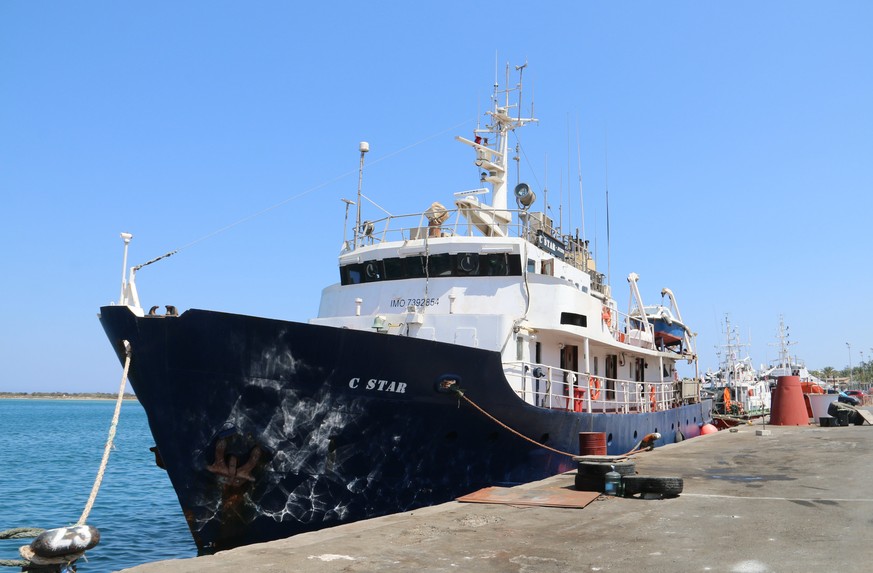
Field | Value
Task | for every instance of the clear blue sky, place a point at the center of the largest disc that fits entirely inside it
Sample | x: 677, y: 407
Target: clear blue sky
x: 739, y: 136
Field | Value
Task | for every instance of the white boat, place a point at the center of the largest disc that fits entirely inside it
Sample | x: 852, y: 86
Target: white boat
x: 739, y: 392
x: 667, y: 329
x: 787, y: 365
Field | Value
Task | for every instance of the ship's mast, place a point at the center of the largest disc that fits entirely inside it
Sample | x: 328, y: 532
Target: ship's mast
x: 730, y: 366
x: 363, y: 147
x: 783, y: 343
x: 492, y: 142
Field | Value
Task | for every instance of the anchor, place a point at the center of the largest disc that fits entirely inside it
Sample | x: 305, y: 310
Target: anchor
x: 227, y: 466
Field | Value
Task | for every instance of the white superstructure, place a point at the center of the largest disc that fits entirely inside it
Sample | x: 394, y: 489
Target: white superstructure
x: 488, y: 276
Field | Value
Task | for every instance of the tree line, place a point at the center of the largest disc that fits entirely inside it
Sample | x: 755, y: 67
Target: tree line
x: 861, y: 373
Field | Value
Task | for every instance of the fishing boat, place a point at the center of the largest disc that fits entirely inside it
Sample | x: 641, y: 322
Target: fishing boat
x: 787, y: 365
x: 739, y: 393
x: 462, y: 347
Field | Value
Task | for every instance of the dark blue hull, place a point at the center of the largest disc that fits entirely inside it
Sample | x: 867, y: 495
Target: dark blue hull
x: 270, y: 428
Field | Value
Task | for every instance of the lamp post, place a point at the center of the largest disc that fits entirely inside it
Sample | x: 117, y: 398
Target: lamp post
x: 850, y: 363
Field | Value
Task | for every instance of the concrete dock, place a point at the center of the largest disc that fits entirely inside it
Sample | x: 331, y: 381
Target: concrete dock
x: 799, y: 499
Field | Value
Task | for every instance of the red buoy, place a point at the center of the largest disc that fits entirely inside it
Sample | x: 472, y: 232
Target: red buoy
x: 708, y: 429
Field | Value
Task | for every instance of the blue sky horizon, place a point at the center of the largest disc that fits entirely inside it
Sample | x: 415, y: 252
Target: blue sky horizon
x: 734, y: 138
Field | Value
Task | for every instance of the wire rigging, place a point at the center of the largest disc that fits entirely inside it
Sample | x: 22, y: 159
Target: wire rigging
x: 299, y: 195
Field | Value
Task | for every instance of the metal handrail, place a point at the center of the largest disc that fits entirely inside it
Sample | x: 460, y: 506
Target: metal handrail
x: 561, y: 389
x: 620, y: 328
x: 398, y: 228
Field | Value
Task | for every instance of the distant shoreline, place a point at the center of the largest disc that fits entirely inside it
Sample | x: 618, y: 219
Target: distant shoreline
x: 63, y: 396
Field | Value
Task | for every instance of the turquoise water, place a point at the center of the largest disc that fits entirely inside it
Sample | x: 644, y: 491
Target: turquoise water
x: 50, y: 452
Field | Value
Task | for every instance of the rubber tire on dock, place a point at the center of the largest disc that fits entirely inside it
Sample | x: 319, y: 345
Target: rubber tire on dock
x: 626, y: 468
x: 666, y: 486
x: 591, y: 475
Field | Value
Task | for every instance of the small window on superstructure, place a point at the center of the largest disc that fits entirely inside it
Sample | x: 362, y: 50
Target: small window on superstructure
x: 439, y: 265
x: 531, y: 266
x: 548, y: 267
x: 394, y: 269
x: 574, y: 319
x: 350, y: 275
x: 414, y: 267
x: 494, y: 265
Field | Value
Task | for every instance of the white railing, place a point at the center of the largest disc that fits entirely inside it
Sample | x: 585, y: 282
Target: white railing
x: 626, y: 329
x: 560, y: 389
x: 416, y: 226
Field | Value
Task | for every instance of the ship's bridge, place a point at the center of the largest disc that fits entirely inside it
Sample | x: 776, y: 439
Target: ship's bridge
x: 456, y: 245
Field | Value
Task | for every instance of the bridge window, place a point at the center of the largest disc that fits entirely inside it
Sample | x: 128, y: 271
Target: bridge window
x: 441, y: 265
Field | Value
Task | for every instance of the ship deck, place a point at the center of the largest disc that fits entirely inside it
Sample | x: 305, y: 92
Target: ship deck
x: 797, y: 499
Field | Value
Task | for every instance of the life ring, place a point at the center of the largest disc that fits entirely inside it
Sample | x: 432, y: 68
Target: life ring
x: 595, y: 387
x: 654, y: 399
x: 751, y: 392
x: 606, y: 315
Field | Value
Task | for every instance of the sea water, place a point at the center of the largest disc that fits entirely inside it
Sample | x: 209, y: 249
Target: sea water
x: 50, y: 451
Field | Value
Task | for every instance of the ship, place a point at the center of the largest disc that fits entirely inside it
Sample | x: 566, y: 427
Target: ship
x: 786, y: 365
x: 740, y: 393
x: 461, y: 347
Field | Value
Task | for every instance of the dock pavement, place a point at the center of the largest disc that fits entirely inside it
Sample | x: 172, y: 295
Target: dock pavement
x: 796, y: 499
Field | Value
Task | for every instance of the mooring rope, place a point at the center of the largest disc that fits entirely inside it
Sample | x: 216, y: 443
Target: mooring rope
x: 635, y: 450
x: 517, y: 433
x: 21, y: 533
x: 110, y: 438
x: 18, y: 533
x: 28, y: 532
